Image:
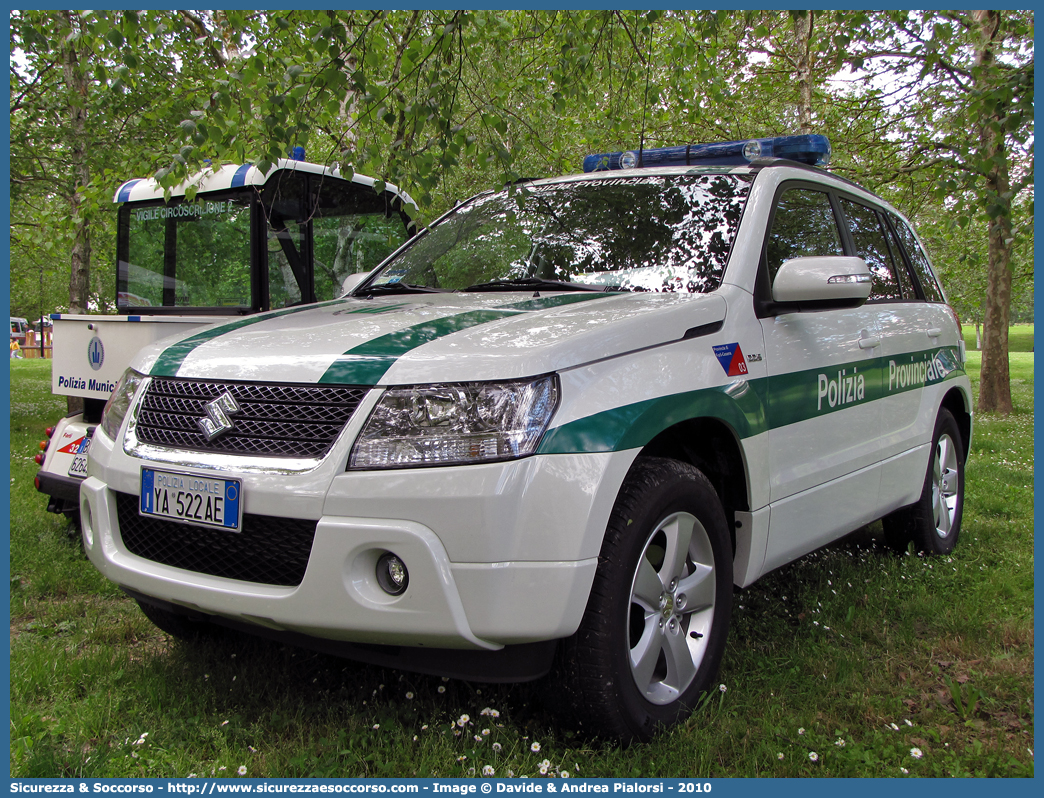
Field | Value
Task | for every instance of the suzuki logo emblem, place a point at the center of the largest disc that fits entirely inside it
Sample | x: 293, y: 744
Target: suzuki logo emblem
x: 217, y: 420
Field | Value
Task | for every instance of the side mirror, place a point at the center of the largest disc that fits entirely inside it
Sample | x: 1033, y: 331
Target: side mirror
x: 823, y: 282
x: 352, y: 280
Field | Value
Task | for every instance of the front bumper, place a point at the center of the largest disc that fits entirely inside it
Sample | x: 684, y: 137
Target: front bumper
x: 501, y: 554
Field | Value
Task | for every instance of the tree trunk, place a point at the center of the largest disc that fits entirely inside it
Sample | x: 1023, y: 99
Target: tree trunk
x: 76, y: 86
x: 995, y: 384
x: 803, y: 35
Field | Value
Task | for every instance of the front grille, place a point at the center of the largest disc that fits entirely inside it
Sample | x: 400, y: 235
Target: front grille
x: 268, y: 549
x: 299, y: 421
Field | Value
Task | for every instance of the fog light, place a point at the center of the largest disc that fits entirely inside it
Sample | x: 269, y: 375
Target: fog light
x: 392, y: 575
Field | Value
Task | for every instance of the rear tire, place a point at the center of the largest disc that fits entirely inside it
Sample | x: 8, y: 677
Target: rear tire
x: 653, y: 634
x: 933, y: 523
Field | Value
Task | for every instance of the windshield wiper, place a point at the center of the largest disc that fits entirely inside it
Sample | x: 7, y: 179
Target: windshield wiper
x: 399, y: 288
x: 531, y: 283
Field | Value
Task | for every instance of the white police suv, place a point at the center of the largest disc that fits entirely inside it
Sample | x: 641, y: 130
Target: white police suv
x: 554, y: 429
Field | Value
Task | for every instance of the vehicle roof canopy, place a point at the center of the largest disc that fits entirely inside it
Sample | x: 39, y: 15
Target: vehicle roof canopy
x: 231, y: 176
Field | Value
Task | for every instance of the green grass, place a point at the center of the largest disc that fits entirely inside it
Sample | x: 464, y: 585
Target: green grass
x: 851, y: 643
x: 1020, y: 338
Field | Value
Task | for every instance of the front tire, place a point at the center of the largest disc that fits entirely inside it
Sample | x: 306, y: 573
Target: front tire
x: 654, y: 630
x: 933, y: 523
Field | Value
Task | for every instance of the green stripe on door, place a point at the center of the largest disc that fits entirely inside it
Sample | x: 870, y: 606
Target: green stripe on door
x: 739, y: 404
x: 758, y: 405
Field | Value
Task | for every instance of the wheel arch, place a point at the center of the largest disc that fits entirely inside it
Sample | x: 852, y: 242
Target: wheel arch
x: 712, y: 446
x: 958, y: 403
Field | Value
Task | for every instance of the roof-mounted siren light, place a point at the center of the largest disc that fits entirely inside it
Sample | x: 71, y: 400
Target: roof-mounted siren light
x: 813, y: 150
x: 297, y: 153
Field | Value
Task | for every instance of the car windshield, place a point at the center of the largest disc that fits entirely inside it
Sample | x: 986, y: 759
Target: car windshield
x: 643, y: 233
x: 186, y: 254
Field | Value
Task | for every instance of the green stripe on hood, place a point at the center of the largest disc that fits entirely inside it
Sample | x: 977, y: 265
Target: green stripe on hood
x: 170, y: 360
x: 367, y: 363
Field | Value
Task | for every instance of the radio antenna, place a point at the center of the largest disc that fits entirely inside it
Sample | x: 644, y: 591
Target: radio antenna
x: 645, y: 99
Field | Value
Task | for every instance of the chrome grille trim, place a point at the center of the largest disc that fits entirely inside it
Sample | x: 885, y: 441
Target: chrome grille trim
x: 295, y: 423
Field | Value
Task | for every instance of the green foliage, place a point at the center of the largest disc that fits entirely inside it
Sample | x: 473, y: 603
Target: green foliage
x: 447, y: 103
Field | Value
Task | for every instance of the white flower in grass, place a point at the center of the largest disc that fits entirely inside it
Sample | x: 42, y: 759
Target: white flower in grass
x: 564, y: 774
x: 535, y: 747
x: 801, y: 731
x: 497, y: 746
x: 813, y: 756
x: 463, y: 720
x: 840, y: 743
x: 916, y: 753
x: 487, y: 770
x: 908, y: 722
x: 543, y: 770
x: 376, y: 726
x: 779, y: 755
x: 461, y: 758
x: 722, y: 688
x: 224, y: 723
x: 409, y: 696
x: 242, y: 770
x: 442, y: 688
x: 904, y: 770
x: 424, y: 727
x: 893, y: 727
x: 478, y: 738
x: 485, y: 732
x: 192, y: 776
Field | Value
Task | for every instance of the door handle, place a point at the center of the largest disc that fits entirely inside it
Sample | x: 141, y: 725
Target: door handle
x: 869, y: 343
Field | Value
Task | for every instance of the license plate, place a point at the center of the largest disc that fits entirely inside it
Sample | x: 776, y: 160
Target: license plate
x: 78, y: 468
x: 191, y: 498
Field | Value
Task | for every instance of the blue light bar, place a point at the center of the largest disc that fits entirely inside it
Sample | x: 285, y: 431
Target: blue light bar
x: 812, y: 150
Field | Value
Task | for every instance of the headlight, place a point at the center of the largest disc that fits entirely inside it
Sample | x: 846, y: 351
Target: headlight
x: 120, y: 401
x: 456, y: 424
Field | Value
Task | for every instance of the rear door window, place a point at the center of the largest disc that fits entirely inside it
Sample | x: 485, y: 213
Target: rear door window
x: 918, y: 260
x: 871, y: 245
